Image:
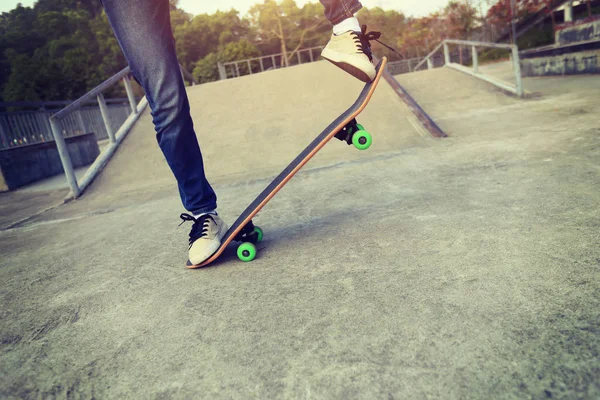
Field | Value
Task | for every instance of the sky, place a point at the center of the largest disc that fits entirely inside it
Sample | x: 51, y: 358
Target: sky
x: 415, y: 8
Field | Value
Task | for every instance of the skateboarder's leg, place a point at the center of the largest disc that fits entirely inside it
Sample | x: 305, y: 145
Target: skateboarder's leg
x: 348, y: 47
x: 143, y: 30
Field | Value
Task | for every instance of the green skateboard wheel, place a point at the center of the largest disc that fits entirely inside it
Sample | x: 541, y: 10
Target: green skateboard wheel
x: 362, y: 140
x: 259, y: 233
x: 246, y: 251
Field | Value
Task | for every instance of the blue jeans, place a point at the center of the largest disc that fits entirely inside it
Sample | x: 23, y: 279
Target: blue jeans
x: 338, y: 10
x: 143, y: 30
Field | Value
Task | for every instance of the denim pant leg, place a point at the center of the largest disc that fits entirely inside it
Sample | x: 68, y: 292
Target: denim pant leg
x: 143, y: 30
x: 338, y: 10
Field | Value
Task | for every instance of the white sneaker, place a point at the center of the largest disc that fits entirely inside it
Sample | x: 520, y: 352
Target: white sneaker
x: 205, y: 236
x: 351, y: 52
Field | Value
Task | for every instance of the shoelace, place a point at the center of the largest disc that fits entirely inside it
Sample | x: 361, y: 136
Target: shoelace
x: 363, y: 39
x: 200, y: 227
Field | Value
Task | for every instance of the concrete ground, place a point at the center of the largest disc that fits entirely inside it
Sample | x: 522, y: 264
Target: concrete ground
x: 465, y: 267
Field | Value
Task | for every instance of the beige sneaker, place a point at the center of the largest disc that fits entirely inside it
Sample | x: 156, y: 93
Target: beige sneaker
x: 205, y: 236
x: 351, y: 52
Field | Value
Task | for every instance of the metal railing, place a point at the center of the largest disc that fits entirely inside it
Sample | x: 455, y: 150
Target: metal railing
x: 115, y: 133
x: 23, y: 128
x: 235, y: 69
x: 403, y: 66
x: 515, y: 89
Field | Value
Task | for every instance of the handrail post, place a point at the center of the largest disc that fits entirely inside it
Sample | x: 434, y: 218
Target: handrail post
x: 106, y: 117
x: 130, y: 95
x: 222, y: 71
x: 3, y: 138
x: 81, y: 121
x: 65, y: 157
x: 475, y: 60
x: 517, y: 69
x: 446, y: 53
x: 429, y: 63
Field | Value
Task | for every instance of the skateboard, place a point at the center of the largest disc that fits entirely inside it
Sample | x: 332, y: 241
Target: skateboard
x: 344, y: 128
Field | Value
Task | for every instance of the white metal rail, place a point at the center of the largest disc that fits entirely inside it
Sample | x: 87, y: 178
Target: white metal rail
x: 516, y: 89
x: 115, y: 138
x: 264, y: 63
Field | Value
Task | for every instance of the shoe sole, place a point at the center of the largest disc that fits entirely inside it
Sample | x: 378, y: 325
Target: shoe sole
x: 349, y: 68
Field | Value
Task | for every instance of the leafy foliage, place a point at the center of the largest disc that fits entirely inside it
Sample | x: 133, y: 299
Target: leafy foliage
x: 60, y: 49
x: 288, y: 26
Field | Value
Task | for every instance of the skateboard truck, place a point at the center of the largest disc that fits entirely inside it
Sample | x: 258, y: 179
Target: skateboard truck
x: 249, y: 233
x: 355, y: 134
x: 249, y: 236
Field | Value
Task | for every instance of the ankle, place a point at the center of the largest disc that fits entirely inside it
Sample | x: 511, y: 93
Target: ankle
x: 213, y: 212
x: 349, y: 24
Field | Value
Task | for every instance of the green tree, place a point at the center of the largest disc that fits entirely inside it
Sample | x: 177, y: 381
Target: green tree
x: 21, y: 85
x: 17, y: 33
x: 461, y: 18
x: 291, y: 26
x: 390, y: 23
x: 206, y: 70
x: 206, y: 34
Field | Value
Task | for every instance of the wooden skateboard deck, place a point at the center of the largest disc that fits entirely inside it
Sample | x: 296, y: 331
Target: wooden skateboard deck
x: 343, y: 128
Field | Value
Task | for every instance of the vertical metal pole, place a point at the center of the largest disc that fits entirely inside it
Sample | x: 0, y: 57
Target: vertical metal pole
x: 35, y: 131
x: 45, y: 122
x: 262, y: 67
x: 81, y: 122
x: 23, y: 127
x: 517, y: 69
x: 311, y: 55
x: 273, y: 59
x: 3, y: 138
x: 475, y: 60
x: 237, y: 70
x: 569, y: 12
x: 222, y: 71
x: 65, y: 158
x: 429, y: 63
x: 249, y: 67
x: 20, y: 131
x: 106, y: 117
x: 512, y: 20
x: 446, y: 54
x: 299, y: 59
x: 130, y: 95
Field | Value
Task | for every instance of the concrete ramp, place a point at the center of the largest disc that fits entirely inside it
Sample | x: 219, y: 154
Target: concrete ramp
x: 449, y: 95
x: 464, y: 106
